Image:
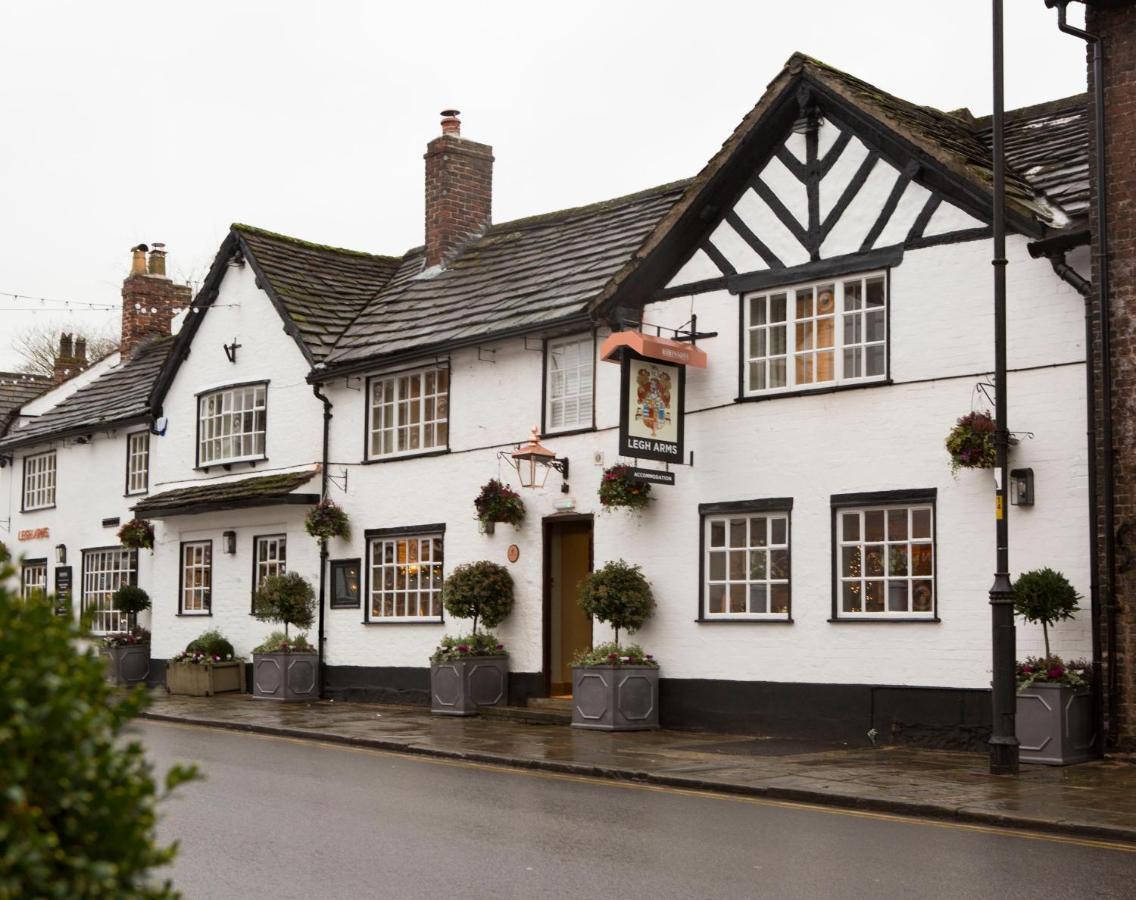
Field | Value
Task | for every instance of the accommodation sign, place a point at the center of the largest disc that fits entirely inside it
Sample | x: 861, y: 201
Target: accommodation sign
x: 651, y: 418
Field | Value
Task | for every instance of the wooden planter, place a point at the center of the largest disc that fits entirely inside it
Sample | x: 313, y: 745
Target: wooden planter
x: 204, y: 679
x: 129, y: 664
x: 288, y: 677
x: 459, y: 687
x: 1055, y: 724
x: 615, y: 698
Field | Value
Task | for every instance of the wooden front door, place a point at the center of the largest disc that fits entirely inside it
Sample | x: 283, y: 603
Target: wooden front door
x: 568, y: 559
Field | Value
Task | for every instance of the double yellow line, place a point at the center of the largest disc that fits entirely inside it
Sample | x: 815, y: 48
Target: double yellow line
x: 1095, y: 843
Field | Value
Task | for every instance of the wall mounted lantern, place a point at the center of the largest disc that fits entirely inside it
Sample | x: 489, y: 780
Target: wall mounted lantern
x: 229, y: 542
x: 1021, y: 487
x: 61, y: 554
x: 533, y: 460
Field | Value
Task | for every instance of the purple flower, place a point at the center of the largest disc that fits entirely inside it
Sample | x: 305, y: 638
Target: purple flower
x: 1056, y: 672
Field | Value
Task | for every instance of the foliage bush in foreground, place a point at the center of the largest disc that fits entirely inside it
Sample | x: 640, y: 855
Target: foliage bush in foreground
x: 77, y: 802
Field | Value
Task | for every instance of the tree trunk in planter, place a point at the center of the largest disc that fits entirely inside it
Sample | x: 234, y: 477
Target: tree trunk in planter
x: 285, y: 676
x: 615, y: 698
x: 205, y: 680
x: 459, y: 687
x: 127, y: 665
x: 1055, y: 724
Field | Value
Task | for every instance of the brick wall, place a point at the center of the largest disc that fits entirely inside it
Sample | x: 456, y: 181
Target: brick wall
x: 149, y: 301
x: 459, y: 194
x: 1117, y: 26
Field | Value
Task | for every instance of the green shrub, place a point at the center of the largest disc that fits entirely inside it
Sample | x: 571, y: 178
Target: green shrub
x: 287, y: 599
x: 131, y: 600
x: 77, y: 800
x: 1045, y: 596
x: 611, y: 654
x: 619, y: 595
x: 465, y: 646
x: 498, y: 502
x: 278, y: 642
x: 211, y: 643
x: 479, y: 590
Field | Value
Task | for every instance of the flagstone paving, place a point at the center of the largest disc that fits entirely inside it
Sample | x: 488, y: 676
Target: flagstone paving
x: 1096, y: 798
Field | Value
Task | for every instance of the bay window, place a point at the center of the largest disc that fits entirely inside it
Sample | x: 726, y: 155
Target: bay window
x: 231, y: 424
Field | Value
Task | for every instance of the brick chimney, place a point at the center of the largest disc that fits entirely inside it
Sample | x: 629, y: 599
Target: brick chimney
x: 459, y: 190
x: 70, y: 360
x: 149, y: 299
x: 1114, y: 21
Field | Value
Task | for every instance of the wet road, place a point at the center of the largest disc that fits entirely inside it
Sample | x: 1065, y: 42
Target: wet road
x: 281, y: 818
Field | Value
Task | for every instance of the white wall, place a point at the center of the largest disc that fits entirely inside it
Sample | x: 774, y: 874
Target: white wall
x: 808, y: 448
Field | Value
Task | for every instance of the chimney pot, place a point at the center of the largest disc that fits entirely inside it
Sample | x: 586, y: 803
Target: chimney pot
x: 158, y: 259
x: 459, y: 191
x: 138, y: 259
x: 149, y: 304
x: 451, y: 124
x: 81, y: 351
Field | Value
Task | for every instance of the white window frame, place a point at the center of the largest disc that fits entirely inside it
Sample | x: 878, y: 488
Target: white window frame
x: 719, y: 556
x: 847, y: 562
x: 105, y: 570
x: 426, y: 415
x: 386, y: 575
x: 219, y: 419
x: 269, y: 557
x: 137, y: 463
x: 195, y: 582
x: 557, y: 381
x: 33, y: 577
x: 849, y: 324
x: 39, y: 481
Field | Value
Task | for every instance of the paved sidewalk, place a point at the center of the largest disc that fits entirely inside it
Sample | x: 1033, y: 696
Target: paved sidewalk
x: 1093, y: 799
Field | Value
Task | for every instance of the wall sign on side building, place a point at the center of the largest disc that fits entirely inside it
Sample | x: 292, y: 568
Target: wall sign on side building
x: 62, y: 590
x: 651, y: 418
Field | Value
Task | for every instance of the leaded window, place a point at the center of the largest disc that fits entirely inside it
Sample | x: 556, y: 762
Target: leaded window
x: 409, y: 413
x: 232, y: 424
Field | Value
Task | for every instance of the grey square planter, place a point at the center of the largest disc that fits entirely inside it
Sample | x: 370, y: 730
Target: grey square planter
x: 459, y: 687
x: 127, y: 665
x: 285, y: 676
x: 1055, y: 724
x: 205, y: 680
x: 615, y: 698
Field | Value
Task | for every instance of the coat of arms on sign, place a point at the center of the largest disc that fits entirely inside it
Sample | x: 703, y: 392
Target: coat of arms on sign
x: 653, y: 390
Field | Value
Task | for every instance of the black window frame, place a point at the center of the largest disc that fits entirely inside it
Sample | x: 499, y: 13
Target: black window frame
x: 208, y: 612
x: 256, y: 539
x: 227, y: 466
x: 368, y: 393
x: 337, y: 602
x: 372, y: 534
x: 39, y: 562
x: 578, y: 429
x: 24, y: 481
x: 130, y: 435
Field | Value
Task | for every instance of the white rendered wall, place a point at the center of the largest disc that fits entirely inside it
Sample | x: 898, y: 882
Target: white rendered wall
x: 807, y: 448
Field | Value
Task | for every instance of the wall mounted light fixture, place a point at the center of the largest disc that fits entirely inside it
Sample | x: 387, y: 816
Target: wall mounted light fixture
x: 61, y: 554
x: 533, y: 461
x: 229, y: 542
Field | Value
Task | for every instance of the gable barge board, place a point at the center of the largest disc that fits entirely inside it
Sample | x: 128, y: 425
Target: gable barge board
x: 884, y: 258
x: 265, y: 285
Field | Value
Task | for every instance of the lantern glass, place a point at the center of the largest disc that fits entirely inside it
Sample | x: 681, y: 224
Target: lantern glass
x: 60, y: 554
x: 229, y: 539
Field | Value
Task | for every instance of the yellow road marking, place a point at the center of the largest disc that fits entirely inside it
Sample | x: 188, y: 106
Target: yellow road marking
x: 1099, y: 844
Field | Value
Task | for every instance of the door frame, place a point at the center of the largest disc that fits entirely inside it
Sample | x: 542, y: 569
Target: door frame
x: 548, y: 523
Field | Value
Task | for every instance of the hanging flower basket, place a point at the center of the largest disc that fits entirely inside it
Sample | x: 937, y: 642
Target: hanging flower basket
x: 327, y: 520
x: 971, y: 442
x: 498, y: 502
x: 619, y: 489
x: 137, y: 534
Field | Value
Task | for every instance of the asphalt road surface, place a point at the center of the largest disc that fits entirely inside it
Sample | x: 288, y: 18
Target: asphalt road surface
x: 281, y: 818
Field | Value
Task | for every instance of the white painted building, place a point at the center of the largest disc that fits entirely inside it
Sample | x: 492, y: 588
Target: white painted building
x: 817, y: 567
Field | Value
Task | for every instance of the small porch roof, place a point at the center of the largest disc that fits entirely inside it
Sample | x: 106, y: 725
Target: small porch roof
x: 243, y: 493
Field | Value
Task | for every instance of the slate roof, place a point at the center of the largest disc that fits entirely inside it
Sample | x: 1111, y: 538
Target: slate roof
x: 518, y: 276
x: 120, y: 394
x: 1049, y: 145
x: 321, y: 289
x: 256, y: 490
x: 16, y: 389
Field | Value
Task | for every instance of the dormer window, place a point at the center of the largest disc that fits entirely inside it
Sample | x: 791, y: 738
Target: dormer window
x: 231, y: 424
x: 815, y: 335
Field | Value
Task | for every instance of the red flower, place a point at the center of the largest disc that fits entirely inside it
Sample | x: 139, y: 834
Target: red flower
x: 463, y: 648
x: 500, y: 646
x: 1056, y: 672
x: 613, y: 656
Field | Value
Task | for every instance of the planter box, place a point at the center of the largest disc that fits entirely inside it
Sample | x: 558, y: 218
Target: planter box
x: 458, y: 688
x: 285, y: 676
x: 205, y: 680
x: 615, y: 698
x: 127, y: 665
x: 1055, y: 724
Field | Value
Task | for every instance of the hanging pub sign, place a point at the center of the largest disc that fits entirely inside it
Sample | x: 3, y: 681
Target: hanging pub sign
x: 650, y: 422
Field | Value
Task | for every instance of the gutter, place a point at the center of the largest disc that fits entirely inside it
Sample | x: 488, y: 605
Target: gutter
x: 320, y: 637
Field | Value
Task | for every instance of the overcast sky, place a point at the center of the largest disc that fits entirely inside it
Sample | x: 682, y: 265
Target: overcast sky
x: 123, y: 122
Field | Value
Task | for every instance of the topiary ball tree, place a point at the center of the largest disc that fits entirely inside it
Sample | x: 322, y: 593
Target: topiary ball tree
x: 287, y: 599
x: 78, y: 799
x: 1045, y: 596
x: 479, y: 591
x: 618, y: 594
x: 131, y: 600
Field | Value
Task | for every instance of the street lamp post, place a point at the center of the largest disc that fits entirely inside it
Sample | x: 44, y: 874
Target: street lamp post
x: 1003, y: 738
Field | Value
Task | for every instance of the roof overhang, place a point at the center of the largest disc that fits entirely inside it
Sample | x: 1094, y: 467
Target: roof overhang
x: 253, y: 492
x: 193, y: 509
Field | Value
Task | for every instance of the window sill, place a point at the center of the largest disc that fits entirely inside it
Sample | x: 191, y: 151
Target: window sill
x: 881, y: 620
x: 740, y: 621
x: 423, y: 621
x: 343, y: 606
x: 38, y: 509
x: 398, y: 457
x: 806, y: 392
x: 194, y: 615
x: 568, y: 432
x: 136, y: 494
x: 227, y: 464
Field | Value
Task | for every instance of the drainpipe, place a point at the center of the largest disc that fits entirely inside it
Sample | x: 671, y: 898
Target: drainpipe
x: 320, y: 638
x: 1104, y: 326
x: 1054, y: 251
